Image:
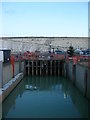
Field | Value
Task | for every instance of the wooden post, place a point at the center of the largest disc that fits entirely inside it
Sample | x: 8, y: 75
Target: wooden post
x: 28, y: 68
x: 54, y: 67
x: 32, y: 68
x: 46, y: 67
x: 36, y: 68
x: 40, y: 67
x: 58, y: 67
x: 50, y: 67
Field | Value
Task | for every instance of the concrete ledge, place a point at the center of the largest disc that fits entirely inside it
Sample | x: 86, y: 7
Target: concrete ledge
x: 7, y: 88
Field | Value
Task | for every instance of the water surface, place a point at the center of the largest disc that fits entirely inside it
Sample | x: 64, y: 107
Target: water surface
x: 45, y: 97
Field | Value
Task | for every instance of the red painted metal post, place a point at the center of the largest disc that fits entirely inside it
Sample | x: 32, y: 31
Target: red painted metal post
x: 12, y: 60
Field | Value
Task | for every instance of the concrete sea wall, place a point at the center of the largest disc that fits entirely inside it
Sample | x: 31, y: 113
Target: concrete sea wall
x: 80, y: 77
x: 7, y: 71
x: 78, y: 74
x: 9, y: 82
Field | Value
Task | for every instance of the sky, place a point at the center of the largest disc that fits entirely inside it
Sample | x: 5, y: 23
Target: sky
x: 48, y: 19
x: 89, y: 19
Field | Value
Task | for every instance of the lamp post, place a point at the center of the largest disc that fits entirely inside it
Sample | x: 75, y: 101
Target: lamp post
x: 50, y: 47
x: 1, y: 69
x: 1, y: 74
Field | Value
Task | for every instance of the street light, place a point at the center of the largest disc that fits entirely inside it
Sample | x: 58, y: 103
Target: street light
x: 50, y: 47
x: 1, y: 69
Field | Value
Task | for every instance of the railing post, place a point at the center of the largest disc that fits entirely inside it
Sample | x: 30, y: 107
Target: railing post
x: 50, y: 67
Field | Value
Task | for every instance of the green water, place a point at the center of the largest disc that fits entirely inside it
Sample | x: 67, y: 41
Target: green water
x: 53, y: 97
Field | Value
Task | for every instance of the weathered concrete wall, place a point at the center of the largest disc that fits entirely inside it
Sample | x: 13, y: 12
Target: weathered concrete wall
x: 0, y: 109
x: 22, y: 67
x: 21, y: 44
x: 16, y: 68
x: 88, y: 83
x: 70, y: 69
x: 64, y: 70
x: 7, y: 71
x: 11, y: 85
x: 1, y: 71
x: 80, y: 77
x: 1, y: 44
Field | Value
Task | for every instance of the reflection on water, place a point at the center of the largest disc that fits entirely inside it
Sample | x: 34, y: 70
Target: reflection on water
x: 45, y: 97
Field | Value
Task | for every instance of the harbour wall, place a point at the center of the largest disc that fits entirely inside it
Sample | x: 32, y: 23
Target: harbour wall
x: 78, y: 74
x: 80, y: 77
x: 8, y: 83
x: 7, y: 71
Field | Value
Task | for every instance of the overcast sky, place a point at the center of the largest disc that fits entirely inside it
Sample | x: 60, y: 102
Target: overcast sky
x: 44, y: 19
